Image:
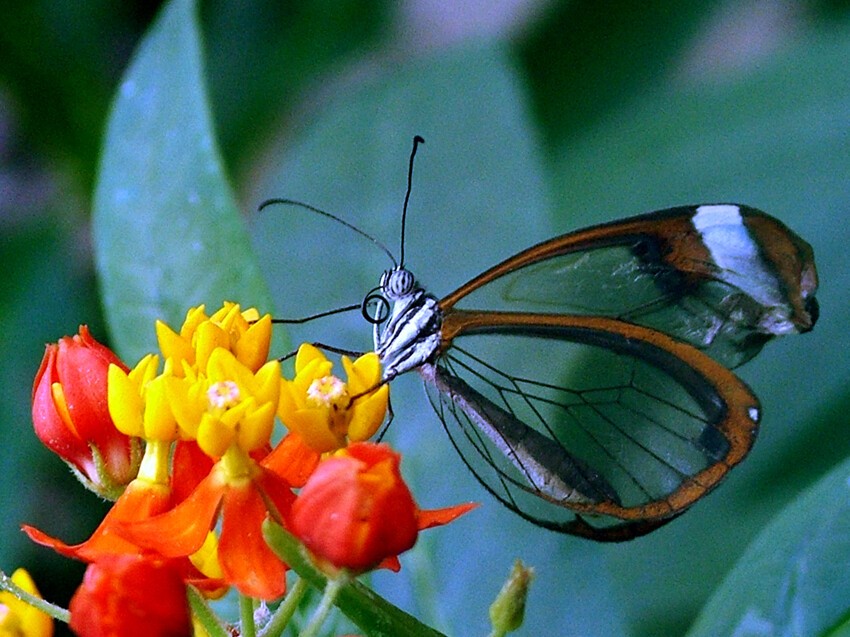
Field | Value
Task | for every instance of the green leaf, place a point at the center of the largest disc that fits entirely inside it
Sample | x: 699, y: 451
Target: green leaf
x: 585, y: 59
x: 371, y: 612
x: 793, y: 579
x: 167, y: 230
x: 265, y: 52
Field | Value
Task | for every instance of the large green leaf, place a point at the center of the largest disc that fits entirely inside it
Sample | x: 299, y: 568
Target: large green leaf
x: 168, y: 234
x: 585, y: 59
x: 793, y: 579
x: 265, y: 51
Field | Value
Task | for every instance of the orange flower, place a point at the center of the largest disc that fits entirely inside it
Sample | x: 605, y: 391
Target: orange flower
x: 243, y: 492
x: 131, y: 596
x: 138, y: 502
x: 146, y: 496
x: 70, y: 414
x: 356, y: 512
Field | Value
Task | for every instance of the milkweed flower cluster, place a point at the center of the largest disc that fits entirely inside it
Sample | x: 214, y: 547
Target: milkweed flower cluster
x: 189, y: 511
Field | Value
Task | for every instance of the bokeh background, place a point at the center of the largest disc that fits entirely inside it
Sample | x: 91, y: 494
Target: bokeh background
x: 539, y: 117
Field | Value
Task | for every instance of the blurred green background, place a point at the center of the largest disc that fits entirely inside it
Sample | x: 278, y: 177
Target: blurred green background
x: 539, y: 117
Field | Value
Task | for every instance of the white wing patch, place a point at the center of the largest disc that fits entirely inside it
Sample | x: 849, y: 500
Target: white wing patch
x: 736, y: 254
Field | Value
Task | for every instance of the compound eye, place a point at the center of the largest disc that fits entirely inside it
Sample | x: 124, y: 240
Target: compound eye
x: 375, y: 308
x: 398, y: 283
x: 405, y: 282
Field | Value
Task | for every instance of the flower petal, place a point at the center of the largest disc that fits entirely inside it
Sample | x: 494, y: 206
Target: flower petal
x: 186, y: 404
x: 194, y: 317
x: 189, y: 466
x: 209, y: 337
x: 159, y: 422
x: 429, y: 518
x: 172, y: 345
x: 267, y: 381
x: 368, y: 414
x: 182, y: 530
x: 214, y: 436
x: 131, y: 596
x: 52, y: 422
x: 314, y: 427
x: 256, y: 427
x: 293, y: 460
x: 125, y: 402
x: 363, y: 374
x: 141, y: 501
x: 246, y: 560
x: 252, y: 349
x: 307, y: 354
x: 354, y: 511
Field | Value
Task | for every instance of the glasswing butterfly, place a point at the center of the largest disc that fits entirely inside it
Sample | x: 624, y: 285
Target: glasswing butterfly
x: 633, y: 413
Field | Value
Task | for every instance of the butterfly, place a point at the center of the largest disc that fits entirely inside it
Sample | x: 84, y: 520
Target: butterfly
x: 586, y: 381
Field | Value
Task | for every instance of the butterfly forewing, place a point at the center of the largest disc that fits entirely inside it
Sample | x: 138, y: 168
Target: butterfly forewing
x: 724, y: 278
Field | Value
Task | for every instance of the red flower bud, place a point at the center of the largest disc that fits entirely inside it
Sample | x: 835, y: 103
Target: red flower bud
x: 355, y: 510
x: 131, y: 596
x: 70, y: 413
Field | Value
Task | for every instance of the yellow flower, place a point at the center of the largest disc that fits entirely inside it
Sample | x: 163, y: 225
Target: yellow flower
x: 318, y: 406
x: 244, y: 333
x: 216, y: 386
x: 226, y: 403
x: 19, y: 619
x: 138, y: 402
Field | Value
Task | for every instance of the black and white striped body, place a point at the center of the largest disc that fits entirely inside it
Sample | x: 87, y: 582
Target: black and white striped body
x: 410, y: 337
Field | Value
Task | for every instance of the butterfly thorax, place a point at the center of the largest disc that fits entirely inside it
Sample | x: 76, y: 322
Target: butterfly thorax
x: 410, y: 336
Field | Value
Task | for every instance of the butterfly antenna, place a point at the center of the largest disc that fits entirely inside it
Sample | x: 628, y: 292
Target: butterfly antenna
x: 313, y: 317
x: 416, y: 141
x: 301, y: 204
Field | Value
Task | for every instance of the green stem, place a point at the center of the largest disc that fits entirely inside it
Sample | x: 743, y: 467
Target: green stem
x: 56, y: 612
x: 204, y: 614
x: 246, y: 614
x: 286, y: 609
x: 332, y: 589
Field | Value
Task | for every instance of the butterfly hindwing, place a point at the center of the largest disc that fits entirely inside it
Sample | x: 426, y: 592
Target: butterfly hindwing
x: 564, y: 415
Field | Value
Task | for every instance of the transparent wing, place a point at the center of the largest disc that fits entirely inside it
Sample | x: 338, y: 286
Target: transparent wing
x: 726, y: 288
x: 589, y: 426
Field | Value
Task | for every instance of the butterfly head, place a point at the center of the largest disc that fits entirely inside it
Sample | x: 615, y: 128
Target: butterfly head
x: 397, y: 283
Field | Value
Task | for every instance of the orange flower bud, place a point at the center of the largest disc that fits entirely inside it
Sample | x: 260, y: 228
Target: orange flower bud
x: 355, y: 510
x: 70, y: 413
x: 131, y: 596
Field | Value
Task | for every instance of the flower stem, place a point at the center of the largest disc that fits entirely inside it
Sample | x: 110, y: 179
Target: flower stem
x: 332, y: 589
x: 204, y: 614
x: 246, y: 615
x: 286, y: 609
x: 56, y: 612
